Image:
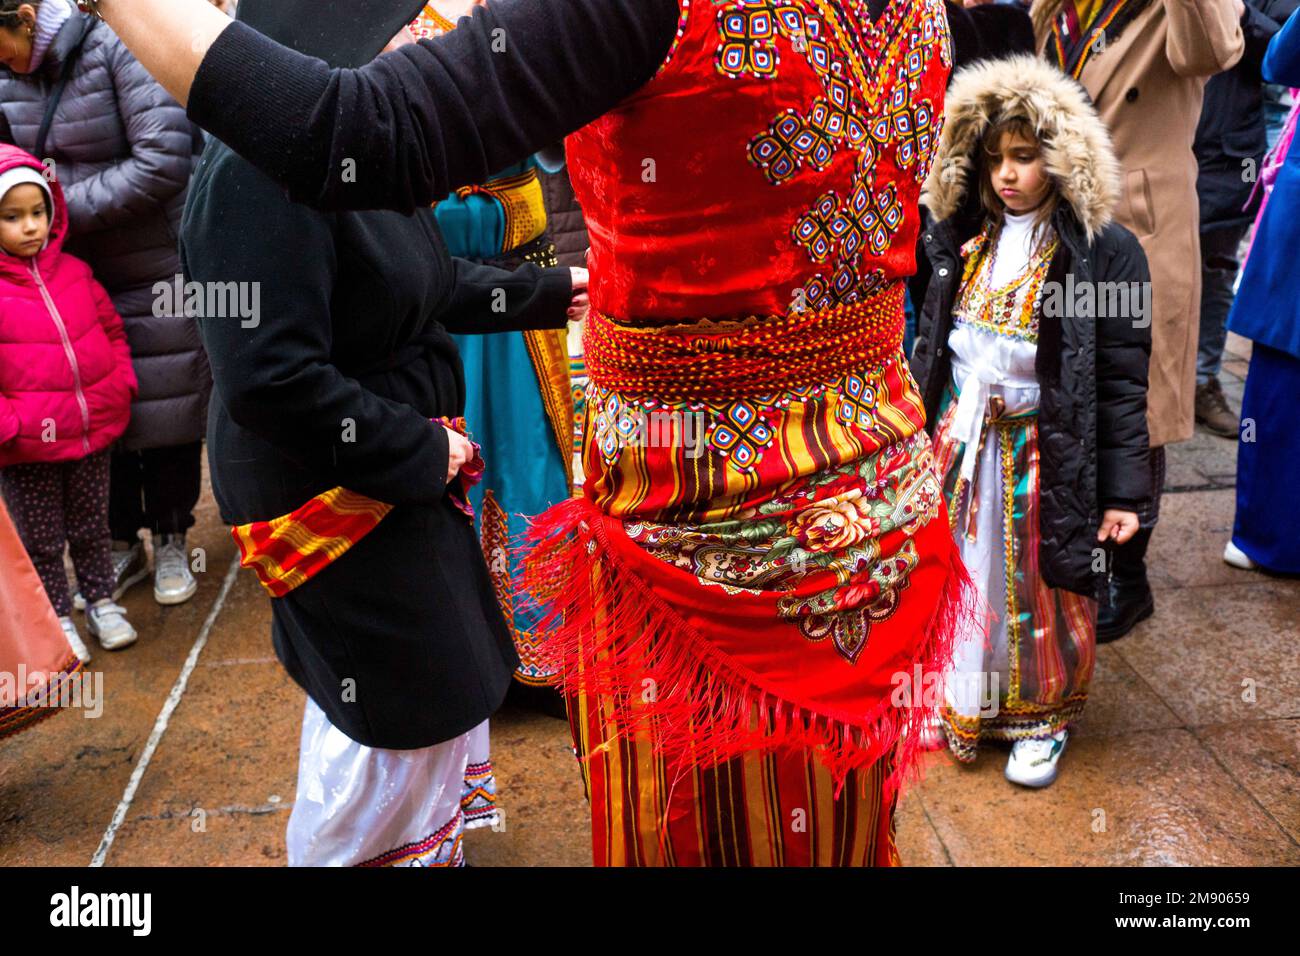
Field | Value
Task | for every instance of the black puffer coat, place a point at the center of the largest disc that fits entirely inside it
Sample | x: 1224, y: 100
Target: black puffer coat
x: 124, y: 152
x: 1092, y: 371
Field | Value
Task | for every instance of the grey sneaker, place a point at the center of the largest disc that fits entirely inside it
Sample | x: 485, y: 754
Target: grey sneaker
x: 108, y: 623
x: 74, y: 639
x: 130, y: 567
x: 172, y: 581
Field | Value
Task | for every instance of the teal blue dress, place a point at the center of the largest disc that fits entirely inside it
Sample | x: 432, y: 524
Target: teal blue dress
x: 526, y: 471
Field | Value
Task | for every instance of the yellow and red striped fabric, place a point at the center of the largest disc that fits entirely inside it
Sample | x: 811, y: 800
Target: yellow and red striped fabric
x: 288, y: 551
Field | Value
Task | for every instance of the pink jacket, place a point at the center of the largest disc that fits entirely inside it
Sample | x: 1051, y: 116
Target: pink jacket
x: 66, y: 380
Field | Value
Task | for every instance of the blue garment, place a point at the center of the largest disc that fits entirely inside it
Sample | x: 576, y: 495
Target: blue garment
x: 1267, y: 525
x: 475, y: 225
x: 524, y: 469
x: 1267, y: 309
x: 503, y: 406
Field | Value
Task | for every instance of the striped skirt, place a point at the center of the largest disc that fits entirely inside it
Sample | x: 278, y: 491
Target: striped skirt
x: 1028, y: 677
x: 770, y: 809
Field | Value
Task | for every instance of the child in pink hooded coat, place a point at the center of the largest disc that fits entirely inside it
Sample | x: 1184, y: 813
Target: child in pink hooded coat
x: 66, y: 384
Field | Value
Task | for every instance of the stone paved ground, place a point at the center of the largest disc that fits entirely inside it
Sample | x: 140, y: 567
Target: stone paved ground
x: 1179, y: 767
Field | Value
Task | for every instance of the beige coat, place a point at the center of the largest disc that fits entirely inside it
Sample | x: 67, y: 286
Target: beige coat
x: 1147, y: 86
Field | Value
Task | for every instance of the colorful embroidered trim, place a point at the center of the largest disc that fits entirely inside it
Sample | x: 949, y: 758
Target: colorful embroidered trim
x: 1011, y: 310
x: 478, y: 801
x: 709, y: 361
x: 523, y: 205
x: 288, y: 551
x: 549, y: 351
x: 443, y: 846
x: 684, y: 15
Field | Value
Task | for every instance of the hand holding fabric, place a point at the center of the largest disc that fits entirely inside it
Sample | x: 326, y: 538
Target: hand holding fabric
x: 460, y: 451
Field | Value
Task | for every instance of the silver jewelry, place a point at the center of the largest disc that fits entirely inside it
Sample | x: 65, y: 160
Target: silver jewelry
x: 91, y: 7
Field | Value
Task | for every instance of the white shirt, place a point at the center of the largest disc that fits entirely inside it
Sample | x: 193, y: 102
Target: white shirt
x: 1015, y: 246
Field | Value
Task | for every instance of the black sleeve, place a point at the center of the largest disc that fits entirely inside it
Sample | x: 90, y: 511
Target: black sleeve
x: 276, y: 378
x: 406, y: 129
x: 1259, y: 27
x: 1123, y: 361
x: 486, y: 299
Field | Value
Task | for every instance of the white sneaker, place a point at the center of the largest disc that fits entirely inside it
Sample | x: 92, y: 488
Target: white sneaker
x: 108, y: 623
x: 78, y: 645
x: 130, y: 566
x: 1234, y: 556
x: 1033, y: 762
x: 172, y: 581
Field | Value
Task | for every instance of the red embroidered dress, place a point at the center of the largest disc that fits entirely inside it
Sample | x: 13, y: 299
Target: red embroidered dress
x: 755, y: 559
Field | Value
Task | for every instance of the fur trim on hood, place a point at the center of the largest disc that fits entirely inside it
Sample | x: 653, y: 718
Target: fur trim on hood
x: 1076, y: 144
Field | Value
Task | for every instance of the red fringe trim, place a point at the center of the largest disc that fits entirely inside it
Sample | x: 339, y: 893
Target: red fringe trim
x: 607, y: 631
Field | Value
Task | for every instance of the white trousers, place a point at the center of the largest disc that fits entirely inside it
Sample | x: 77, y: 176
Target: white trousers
x: 363, y: 806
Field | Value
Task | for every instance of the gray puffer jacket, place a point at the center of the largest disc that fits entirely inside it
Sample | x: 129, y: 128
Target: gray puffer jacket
x: 123, y: 150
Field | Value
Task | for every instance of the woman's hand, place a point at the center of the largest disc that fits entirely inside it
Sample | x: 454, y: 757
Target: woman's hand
x: 1117, y: 526
x: 580, y: 302
x: 460, y: 451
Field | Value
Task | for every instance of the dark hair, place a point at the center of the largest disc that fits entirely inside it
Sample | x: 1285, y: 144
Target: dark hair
x: 990, y: 148
x: 9, y: 11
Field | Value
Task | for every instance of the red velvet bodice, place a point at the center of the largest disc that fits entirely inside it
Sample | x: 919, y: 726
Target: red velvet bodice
x: 774, y: 162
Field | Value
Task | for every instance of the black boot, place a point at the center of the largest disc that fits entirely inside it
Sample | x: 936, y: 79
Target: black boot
x: 1130, y: 599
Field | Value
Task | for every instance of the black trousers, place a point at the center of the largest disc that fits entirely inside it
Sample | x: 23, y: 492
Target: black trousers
x: 156, y: 488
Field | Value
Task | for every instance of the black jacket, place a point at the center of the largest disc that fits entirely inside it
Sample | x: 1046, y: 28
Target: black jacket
x: 1231, y: 136
x: 332, y: 383
x: 1093, y: 378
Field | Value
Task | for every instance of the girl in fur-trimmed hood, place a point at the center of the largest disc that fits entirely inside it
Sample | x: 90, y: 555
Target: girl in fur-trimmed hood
x: 1032, y: 354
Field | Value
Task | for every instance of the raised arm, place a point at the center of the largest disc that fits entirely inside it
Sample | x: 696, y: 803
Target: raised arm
x: 1204, y: 36
x: 408, y: 128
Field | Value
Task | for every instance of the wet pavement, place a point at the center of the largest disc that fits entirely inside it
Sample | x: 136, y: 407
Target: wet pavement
x: 1189, y: 752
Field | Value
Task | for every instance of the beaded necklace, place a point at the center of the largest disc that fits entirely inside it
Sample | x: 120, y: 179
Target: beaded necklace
x: 1013, y: 309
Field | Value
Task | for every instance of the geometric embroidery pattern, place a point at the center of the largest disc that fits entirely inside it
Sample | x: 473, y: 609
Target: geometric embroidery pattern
x: 741, y: 432
x: 868, y: 106
x: 856, y: 400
